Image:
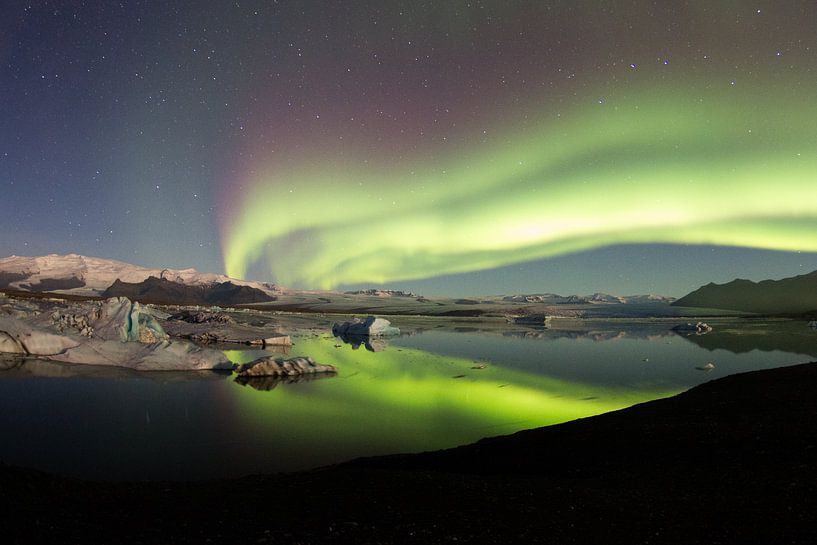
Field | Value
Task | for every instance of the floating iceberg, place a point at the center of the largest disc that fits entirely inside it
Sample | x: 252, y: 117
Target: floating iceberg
x: 370, y: 327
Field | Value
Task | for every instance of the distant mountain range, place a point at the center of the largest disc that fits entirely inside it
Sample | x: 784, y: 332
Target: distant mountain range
x: 374, y: 292
x: 82, y: 275
x: 596, y: 298
x: 795, y: 295
x: 92, y: 276
x: 74, y: 274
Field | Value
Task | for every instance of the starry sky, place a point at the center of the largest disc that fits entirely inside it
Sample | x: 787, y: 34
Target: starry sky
x: 452, y: 147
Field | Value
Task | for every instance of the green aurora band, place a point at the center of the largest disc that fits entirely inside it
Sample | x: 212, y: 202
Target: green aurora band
x: 669, y: 166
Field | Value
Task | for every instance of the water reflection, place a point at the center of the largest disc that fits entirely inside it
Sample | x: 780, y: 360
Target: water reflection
x: 37, y: 368
x: 622, y: 353
x: 441, y: 384
x: 408, y: 399
x: 735, y: 335
x: 372, y: 344
x: 765, y: 336
x: 266, y: 384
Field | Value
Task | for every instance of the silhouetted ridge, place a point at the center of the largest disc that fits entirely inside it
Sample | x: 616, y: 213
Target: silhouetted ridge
x: 53, y: 284
x: 7, y: 278
x: 795, y: 295
x: 163, y: 291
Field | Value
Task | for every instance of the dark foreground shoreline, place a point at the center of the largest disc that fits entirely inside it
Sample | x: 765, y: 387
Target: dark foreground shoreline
x: 730, y: 461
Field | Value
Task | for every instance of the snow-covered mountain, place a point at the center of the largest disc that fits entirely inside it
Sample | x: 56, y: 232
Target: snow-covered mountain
x: 647, y: 298
x: 82, y: 275
x: 596, y: 298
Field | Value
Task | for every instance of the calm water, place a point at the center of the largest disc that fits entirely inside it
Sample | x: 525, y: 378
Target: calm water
x: 441, y: 386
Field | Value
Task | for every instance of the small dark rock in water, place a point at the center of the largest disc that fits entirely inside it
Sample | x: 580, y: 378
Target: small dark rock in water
x: 270, y: 366
x: 458, y: 376
x: 278, y: 340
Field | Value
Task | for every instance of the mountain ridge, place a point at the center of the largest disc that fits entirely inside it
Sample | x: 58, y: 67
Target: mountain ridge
x: 75, y: 274
x: 162, y: 291
x: 791, y: 295
x: 83, y: 275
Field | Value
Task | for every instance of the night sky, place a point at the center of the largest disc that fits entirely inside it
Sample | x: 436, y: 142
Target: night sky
x: 446, y: 147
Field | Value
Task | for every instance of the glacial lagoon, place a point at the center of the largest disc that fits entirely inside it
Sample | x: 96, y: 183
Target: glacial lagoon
x: 442, y: 383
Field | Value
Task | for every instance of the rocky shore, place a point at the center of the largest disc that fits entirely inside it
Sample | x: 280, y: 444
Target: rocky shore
x: 730, y: 461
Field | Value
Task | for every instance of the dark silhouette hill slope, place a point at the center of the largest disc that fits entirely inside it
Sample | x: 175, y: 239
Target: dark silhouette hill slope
x: 162, y: 291
x: 795, y: 295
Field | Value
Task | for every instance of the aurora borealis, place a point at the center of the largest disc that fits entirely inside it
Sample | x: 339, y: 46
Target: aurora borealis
x: 416, y: 145
x: 722, y: 170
